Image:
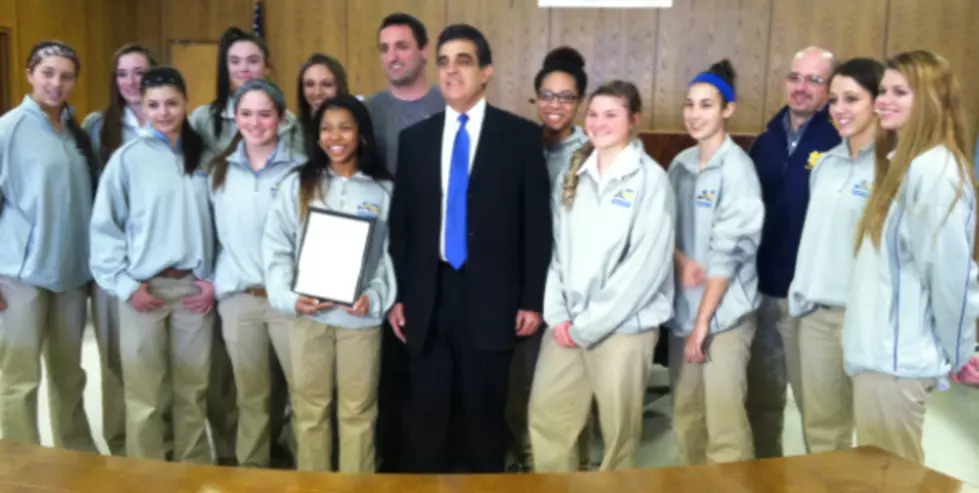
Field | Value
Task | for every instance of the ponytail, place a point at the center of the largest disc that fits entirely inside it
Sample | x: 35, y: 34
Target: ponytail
x: 219, y: 173
x: 84, y: 146
x: 571, y: 178
x: 191, y: 146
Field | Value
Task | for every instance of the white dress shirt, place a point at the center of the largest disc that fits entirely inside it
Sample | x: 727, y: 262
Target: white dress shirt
x: 473, y: 127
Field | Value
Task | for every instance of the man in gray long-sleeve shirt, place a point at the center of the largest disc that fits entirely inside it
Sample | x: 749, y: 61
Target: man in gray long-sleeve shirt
x: 409, y: 99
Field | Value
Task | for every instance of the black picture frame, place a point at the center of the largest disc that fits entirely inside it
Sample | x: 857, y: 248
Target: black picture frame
x: 371, y: 225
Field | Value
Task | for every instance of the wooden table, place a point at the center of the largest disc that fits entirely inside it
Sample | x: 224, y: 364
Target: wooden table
x: 28, y: 468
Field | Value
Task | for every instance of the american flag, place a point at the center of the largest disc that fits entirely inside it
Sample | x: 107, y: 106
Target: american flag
x: 258, y: 27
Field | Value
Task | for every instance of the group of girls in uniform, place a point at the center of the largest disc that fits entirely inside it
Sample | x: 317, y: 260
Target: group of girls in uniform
x: 190, y: 224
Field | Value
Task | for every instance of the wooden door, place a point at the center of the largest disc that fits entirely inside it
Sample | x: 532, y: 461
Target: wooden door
x: 198, y: 62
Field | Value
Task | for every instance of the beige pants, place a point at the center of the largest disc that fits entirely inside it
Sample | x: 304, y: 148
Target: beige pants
x: 889, y: 412
x: 250, y: 326
x: 167, y: 347
x: 709, y: 415
x: 37, y: 319
x: 105, y: 321
x: 827, y: 391
x: 774, y: 363
x: 614, y: 374
x: 518, y: 400
x: 322, y: 355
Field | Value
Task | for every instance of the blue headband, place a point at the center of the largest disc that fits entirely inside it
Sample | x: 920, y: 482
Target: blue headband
x: 725, y: 89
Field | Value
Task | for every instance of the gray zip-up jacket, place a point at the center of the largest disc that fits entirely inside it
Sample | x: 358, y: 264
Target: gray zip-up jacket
x: 719, y: 220
x: 612, y: 268
x: 839, y: 188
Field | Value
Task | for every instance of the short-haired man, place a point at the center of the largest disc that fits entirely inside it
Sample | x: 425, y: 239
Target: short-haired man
x: 402, y: 43
x: 410, y: 97
x: 471, y: 241
x: 782, y: 156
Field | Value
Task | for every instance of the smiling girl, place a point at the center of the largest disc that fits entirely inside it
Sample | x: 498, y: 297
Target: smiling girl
x: 334, y: 345
x: 47, y: 176
x: 153, y: 248
x: 117, y: 124
x: 609, y: 287
x: 241, y: 58
x: 320, y: 78
x: 914, y: 296
x: 719, y: 222
x: 244, y: 182
x: 839, y: 186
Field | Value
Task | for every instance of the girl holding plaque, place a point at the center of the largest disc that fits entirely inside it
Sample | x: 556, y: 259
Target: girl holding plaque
x: 334, y: 344
x: 244, y: 182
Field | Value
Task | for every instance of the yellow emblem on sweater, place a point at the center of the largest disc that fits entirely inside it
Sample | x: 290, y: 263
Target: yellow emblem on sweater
x: 813, y: 159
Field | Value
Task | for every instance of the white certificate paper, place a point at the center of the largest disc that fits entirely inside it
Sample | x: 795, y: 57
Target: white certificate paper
x: 332, y: 256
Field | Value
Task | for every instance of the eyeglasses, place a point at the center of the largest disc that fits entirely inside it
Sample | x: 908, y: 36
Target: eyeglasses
x: 562, y: 97
x: 796, y: 77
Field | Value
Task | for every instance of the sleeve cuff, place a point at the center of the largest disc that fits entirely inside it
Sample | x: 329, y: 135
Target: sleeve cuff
x: 125, y: 287
x: 576, y: 336
x: 374, y: 308
x: 721, y: 269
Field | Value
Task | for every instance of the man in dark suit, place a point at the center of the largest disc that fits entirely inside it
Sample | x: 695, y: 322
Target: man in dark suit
x: 471, y: 241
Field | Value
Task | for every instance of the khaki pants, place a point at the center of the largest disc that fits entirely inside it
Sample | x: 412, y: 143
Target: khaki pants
x: 827, y: 391
x: 709, y: 415
x: 889, y: 412
x: 250, y: 326
x: 322, y: 355
x: 774, y: 362
x: 518, y: 400
x: 167, y: 347
x: 37, y: 319
x: 105, y: 321
x: 614, y: 374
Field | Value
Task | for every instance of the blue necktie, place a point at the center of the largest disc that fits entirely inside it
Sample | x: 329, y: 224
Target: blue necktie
x: 455, y: 204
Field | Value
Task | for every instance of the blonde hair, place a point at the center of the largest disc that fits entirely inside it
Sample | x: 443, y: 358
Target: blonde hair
x: 936, y: 118
x: 618, y: 88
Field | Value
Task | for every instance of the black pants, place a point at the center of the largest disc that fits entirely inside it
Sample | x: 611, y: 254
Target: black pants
x: 392, y: 398
x: 455, y: 419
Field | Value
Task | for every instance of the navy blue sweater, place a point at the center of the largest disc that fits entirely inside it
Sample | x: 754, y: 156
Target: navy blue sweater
x: 785, y: 191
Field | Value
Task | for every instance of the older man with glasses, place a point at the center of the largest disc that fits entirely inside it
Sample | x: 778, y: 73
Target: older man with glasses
x: 784, y: 155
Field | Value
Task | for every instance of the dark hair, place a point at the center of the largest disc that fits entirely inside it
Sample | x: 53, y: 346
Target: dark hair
x: 231, y: 36
x: 369, y: 162
x: 219, y: 169
x: 45, y: 49
x: 567, y: 60
x: 110, y: 136
x: 617, y: 88
x: 402, y: 19
x: 339, y: 77
x: 191, y: 143
x: 865, y: 71
x: 469, y: 33
x: 725, y: 71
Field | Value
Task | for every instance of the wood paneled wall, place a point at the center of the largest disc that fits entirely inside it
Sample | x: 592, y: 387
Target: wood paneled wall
x: 96, y: 28
x: 659, y: 50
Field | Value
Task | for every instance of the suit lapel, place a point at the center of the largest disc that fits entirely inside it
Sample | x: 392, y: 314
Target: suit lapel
x: 485, y: 143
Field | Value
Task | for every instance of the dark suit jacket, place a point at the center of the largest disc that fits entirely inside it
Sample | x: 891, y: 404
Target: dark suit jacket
x: 509, y: 222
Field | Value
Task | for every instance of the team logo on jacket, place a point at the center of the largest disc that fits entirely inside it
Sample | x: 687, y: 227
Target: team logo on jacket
x: 861, y: 189
x: 706, y: 198
x: 369, y: 209
x: 813, y: 159
x: 624, y: 197
x: 274, y: 189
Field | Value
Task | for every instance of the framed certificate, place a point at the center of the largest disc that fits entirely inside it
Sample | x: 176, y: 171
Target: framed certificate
x: 332, y: 256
